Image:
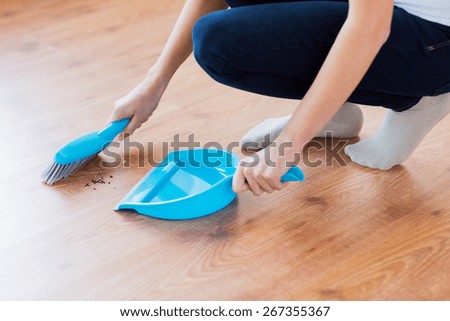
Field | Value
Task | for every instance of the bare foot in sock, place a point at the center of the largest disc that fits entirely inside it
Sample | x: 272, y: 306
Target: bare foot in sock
x: 347, y: 123
x: 400, y: 134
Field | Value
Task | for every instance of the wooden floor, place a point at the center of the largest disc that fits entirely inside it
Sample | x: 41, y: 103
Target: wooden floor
x: 347, y: 233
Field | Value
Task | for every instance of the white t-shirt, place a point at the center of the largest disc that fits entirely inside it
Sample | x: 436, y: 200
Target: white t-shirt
x: 432, y: 10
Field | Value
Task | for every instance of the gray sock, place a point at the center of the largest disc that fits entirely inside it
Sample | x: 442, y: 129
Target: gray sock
x: 400, y: 134
x: 347, y: 123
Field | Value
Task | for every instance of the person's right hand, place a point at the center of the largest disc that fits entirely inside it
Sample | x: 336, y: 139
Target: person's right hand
x: 138, y: 105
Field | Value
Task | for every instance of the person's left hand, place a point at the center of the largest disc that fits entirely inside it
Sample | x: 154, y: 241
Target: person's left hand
x: 261, y: 172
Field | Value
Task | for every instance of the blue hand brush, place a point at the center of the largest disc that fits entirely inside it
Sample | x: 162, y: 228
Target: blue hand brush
x: 80, y: 151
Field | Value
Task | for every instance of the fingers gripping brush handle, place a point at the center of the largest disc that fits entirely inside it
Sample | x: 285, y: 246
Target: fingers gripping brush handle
x: 80, y: 151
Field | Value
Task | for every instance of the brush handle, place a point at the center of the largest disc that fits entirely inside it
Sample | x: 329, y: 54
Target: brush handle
x: 115, y: 128
x: 90, y: 144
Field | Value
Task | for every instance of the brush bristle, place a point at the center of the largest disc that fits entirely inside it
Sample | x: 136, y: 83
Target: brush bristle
x: 55, y: 172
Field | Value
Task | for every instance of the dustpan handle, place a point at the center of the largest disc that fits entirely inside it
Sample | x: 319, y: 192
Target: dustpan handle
x: 294, y: 174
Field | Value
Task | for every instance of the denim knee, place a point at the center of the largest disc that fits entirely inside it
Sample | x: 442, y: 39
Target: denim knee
x: 211, y: 46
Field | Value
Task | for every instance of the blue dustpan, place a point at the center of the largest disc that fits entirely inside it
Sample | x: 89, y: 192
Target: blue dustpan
x: 189, y: 184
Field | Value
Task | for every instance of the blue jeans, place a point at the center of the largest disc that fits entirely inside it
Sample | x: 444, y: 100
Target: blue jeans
x: 276, y: 48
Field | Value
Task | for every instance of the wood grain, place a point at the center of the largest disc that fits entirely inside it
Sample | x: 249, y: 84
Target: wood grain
x: 347, y: 233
